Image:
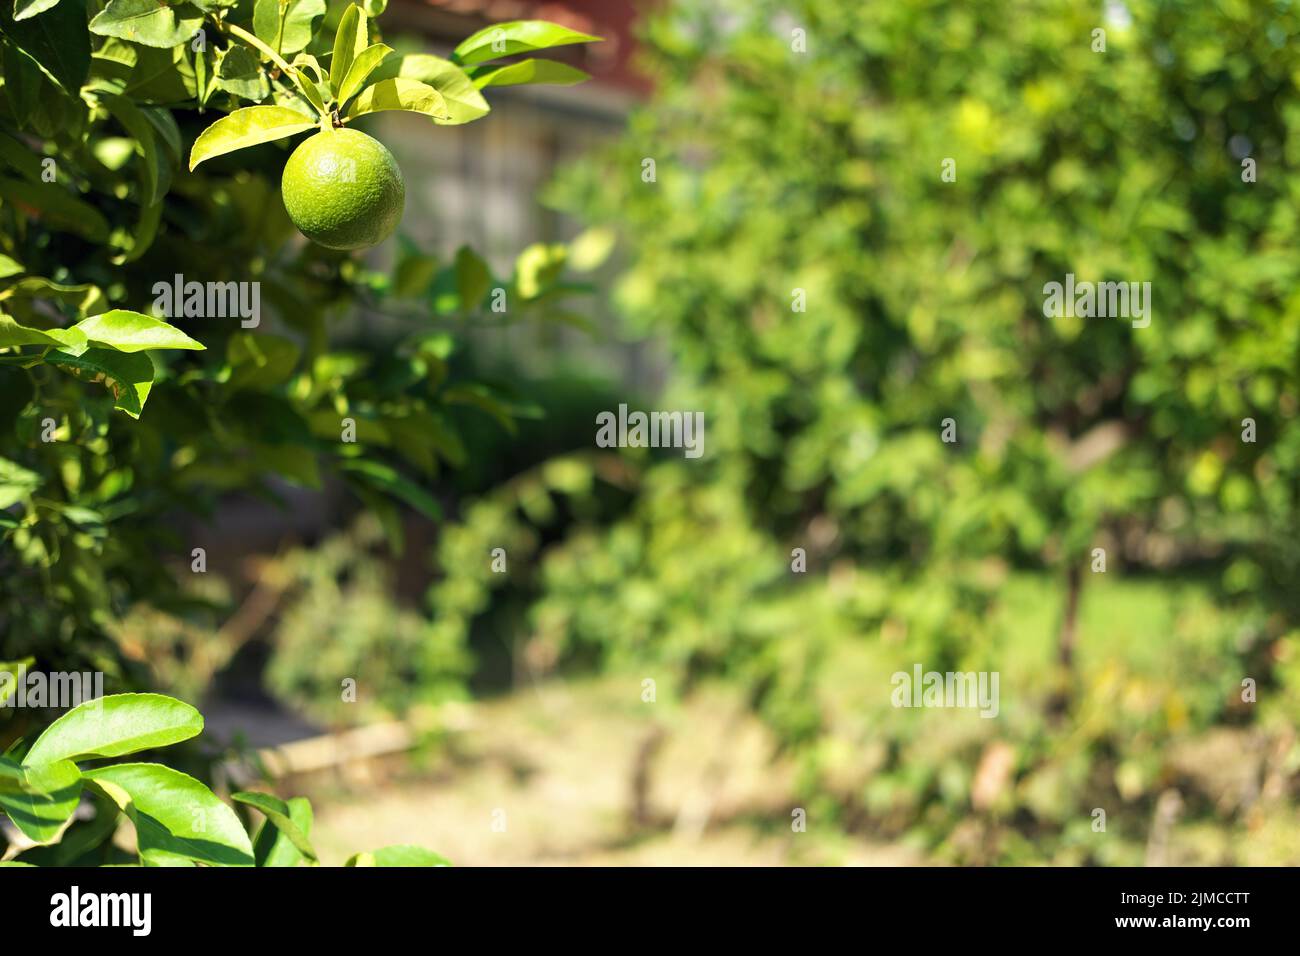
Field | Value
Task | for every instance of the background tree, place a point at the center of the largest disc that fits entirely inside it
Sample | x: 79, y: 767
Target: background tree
x: 829, y: 298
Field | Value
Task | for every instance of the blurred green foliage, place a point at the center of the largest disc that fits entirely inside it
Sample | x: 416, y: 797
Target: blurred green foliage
x: 340, y: 622
x: 780, y: 171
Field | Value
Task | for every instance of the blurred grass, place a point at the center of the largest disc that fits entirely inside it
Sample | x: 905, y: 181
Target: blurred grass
x: 557, y: 758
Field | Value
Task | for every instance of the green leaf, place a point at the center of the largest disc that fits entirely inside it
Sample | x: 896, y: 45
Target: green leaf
x: 76, y: 513
x: 16, y: 483
x: 313, y: 87
x: 517, y: 36
x: 293, y: 463
x: 399, y: 94
x: 58, y: 207
x: 529, y: 71
x: 364, y: 64
x: 413, y: 274
x: 23, y: 83
x: 12, y: 335
x: 80, y: 842
x: 22, y: 158
x: 143, y: 235
x: 113, y: 151
x: 114, y: 726
x: 128, y: 376
x: 473, y: 278
x: 271, y: 847
x: 287, y: 26
x: 538, y: 266
x: 591, y: 248
x: 351, y: 37
x: 148, y: 22
x: 169, y: 134
x: 479, y: 396
x: 260, y: 361
x: 384, y: 478
x: 294, y: 102
x: 177, y: 819
x: 447, y: 441
x: 83, y: 297
x: 129, y: 331
x: 49, y: 797
x: 9, y: 473
x: 247, y: 127
x: 204, y: 69
x: 9, y: 267
x: 398, y: 856
x: 26, y: 9
x: 11, y: 773
x: 56, y: 41
x: 240, y: 73
x: 156, y: 170
x: 279, y: 814
x: 464, y: 102
x: 388, y: 514
x: 146, y: 74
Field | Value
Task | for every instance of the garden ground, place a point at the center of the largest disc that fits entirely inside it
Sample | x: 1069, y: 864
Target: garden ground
x: 558, y: 760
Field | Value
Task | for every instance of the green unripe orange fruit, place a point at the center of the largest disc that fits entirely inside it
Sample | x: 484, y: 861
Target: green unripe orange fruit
x: 343, y: 189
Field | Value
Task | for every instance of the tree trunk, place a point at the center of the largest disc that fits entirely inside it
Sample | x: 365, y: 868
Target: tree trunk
x: 1070, y: 617
x: 1065, y: 638
x: 642, y: 813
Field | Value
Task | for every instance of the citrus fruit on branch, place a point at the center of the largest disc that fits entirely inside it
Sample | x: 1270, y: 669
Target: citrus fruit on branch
x: 343, y: 189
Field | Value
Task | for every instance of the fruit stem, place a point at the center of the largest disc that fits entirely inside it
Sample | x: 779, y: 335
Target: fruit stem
x: 237, y: 31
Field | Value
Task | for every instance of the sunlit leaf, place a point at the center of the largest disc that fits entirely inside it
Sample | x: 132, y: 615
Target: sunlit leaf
x: 128, y: 376
x: 364, y: 64
x: 287, y: 26
x: 177, y: 819
x: 278, y: 813
x: 148, y: 22
x: 129, y: 331
x: 114, y: 726
x: 463, y: 100
x: 529, y: 71
x: 399, y: 94
x: 47, y: 800
x: 517, y: 36
x: 247, y: 127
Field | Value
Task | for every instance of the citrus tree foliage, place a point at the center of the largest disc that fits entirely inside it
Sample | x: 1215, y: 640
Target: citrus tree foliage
x: 844, y: 240
x: 127, y: 402
x: 177, y: 820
